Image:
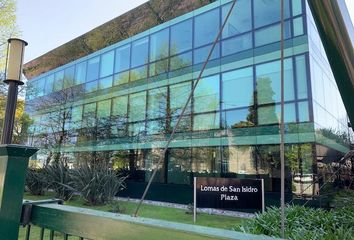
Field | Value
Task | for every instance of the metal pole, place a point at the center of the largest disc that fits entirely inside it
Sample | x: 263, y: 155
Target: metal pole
x: 195, y: 200
x: 10, y: 112
x: 282, y: 160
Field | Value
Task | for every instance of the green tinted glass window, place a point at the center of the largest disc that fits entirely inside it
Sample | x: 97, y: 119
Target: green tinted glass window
x: 121, y: 78
x: 178, y: 97
x: 237, y: 44
x: 122, y: 62
x: 104, y: 109
x: 268, y: 82
x: 80, y: 73
x: 137, y: 106
x: 58, y: 81
x: 301, y: 77
x: 297, y: 7
x: 206, y: 95
x: 157, y: 103
x: 107, y: 64
x: 201, y: 54
x: 91, y: 86
x: 298, y: 26
x: 140, y: 52
x: 271, y: 34
x: 69, y: 75
x: 120, y: 106
x: 271, y: 114
x: 238, y: 118
x: 105, y: 82
x: 159, y: 45
x: 93, y: 67
x: 238, y: 90
x: 181, y: 61
x: 49, y: 82
x: 206, y: 27
x: 206, y: 121
x: 240, y: 19
x: 304, y: 113
x: 138, y: 73
x: 267, y: 12
x: 90, y: 109
x: 181, y: 37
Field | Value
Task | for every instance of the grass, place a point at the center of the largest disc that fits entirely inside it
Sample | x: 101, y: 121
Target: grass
x: 148, y: 211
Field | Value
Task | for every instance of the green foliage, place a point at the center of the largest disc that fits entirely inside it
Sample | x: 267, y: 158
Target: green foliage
x: 59, y: 178
x: 35, y: 181
x: 116, y: 207
x: 97, y: 184
x: 304, y: 223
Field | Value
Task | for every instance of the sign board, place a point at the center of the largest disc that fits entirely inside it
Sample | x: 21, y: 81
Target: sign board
x: 229, y: 193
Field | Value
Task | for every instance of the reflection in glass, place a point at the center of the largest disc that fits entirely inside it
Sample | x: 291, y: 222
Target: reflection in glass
x: 206, y: 27
x: 121, y: 78
x: 80, y: 73
x: 91, y: 86
x: 105, y: 82
x: 107, y: 64
x: 207, y: 94
x: 206, y: 121
x: 237, y: 87
x: 137, y: 106
x: 206, y: 161
x: 49, y: 82
x: 271, y: 114
x: 237, y: 44
x: 178, y: 97
x: 271, y: 34
x: 58, y: 81
x: 93, y: 68
x: 181, y: 37
x: 240, y: 19
x: 179, y: 165
x: 140, y: 52
x: 69, y: 77
x: 159, y: 45
x: 238, y: 118
x: 201, y: 54
x: 268, y: 82
x: 157, y: 103
x: 122, y: 62
x: 301, y: 77
x: 138, y: 73
x: 104, y: 109
x: 181, y: 61
x: 239, y: 159
x: 268, y: 11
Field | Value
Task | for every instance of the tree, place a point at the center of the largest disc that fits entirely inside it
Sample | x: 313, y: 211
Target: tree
x: 8, y: 29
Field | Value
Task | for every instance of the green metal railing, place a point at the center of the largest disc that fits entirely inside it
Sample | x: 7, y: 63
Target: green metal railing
x: 91, y: 224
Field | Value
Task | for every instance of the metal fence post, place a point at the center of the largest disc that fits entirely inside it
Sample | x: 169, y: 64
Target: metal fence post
x: 13, y: 166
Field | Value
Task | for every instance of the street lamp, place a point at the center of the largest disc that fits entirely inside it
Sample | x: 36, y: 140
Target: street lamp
x: 14, y: 61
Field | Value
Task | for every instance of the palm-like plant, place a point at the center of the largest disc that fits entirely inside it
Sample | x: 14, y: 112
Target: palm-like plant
x: 97, y: 184
x: 59, y: 179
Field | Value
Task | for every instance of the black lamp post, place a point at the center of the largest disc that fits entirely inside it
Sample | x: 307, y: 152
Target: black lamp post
x: 15, y: 53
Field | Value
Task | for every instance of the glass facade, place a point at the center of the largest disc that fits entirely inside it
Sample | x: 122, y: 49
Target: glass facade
x: 123, y: 101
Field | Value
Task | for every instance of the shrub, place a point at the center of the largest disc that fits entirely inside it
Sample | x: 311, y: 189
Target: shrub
x: 96, y: 184
x: 115, y: 207
x: 35, y: 183
x: 59, y: 179
x: 304, y: 223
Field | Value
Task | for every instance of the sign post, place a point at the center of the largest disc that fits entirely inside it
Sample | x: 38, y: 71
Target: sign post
x: 228, y: 193
x: 195, y: 200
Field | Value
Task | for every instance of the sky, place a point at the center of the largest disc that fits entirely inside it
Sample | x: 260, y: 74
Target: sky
x: 47, y: 24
